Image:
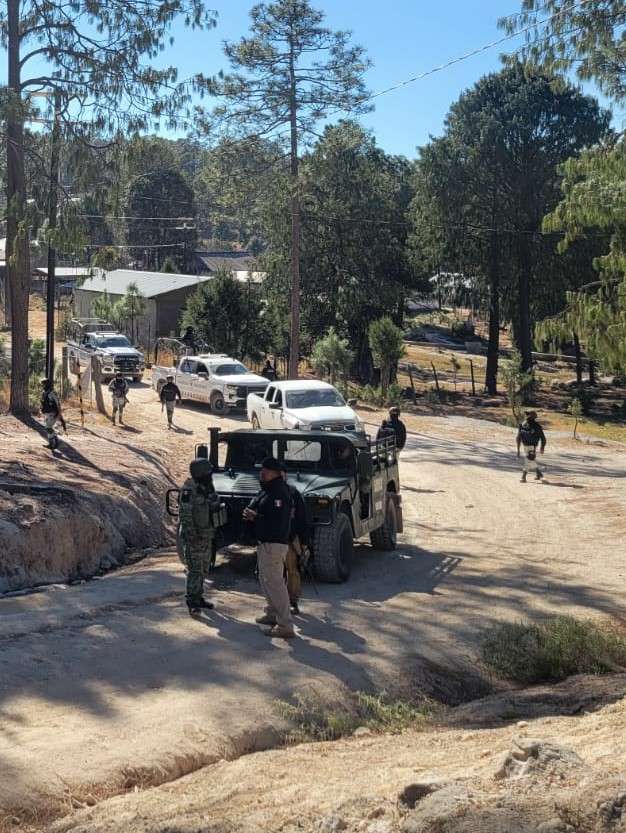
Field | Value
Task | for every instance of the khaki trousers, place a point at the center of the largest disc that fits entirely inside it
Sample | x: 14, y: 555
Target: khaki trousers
x: 294, y: 582
x: 271, y: 559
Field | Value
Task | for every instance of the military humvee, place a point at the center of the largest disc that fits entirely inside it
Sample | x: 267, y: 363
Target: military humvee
x: 349, y: 483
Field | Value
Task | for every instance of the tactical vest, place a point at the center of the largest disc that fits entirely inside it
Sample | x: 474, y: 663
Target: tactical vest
x: 48, y: 403
x: 199, y: 513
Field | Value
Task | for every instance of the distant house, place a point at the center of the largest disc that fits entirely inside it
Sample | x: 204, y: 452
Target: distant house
x: 165, y: 294
x: 66, y: 278
x: 243, y: 265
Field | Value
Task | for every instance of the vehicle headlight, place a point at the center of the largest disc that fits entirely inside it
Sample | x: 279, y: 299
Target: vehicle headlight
x: 232, y: 389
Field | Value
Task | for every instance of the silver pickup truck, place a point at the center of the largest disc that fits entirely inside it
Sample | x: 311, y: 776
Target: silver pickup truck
x: 93, y: 337
x: 212, y: 378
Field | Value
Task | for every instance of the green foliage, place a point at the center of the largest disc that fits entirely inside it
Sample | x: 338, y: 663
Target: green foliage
x: 229, y: 317
x: 107, y: 258
x: 370, y: 395
x: 585, y: 37
x: 62, y: 383
x: 169, y: 266
x: 594, y: 195
x: 315, y: 719
x: 394, y: 394
x: 484, y: 187
x: 387, y: 345
x: 103, y: 308
x: 576, y: 411
x: 37, y: 357
x: 129, y: 308
x: 520, y: 385
x: 553, y: 650
x: 331, y: 355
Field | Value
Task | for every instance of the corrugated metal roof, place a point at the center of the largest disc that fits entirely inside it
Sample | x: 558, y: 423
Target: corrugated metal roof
x: 234, y: 261
x: 65, y: 271
x: 150, y: 284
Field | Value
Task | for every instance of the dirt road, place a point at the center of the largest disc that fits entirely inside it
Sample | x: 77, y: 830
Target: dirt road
x: 111, y: 682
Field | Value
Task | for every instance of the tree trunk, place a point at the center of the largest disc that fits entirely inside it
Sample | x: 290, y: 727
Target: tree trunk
x: 53, y: 197
x: 294, y: 341
x: 524, y: 340
x: 17, y: 252
x: 579, y: 360
x: 493, y: 348
x: 592, y: 372
x: 96, y: 377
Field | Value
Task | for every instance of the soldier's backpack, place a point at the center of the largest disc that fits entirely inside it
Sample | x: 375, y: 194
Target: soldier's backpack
x: 48, y: 403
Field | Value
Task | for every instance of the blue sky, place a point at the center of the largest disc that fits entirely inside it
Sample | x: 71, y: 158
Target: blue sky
x: 402, y: 38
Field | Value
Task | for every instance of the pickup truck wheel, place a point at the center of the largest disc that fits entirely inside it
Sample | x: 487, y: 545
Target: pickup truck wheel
x: 255, y: 422
x: 216, y: 402
x: 333, y: 549
x: 386, y: 536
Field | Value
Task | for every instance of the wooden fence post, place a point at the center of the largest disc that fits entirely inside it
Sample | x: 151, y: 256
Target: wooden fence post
x: 432, y: 364
x: 97, y: 383
x: 473, y: 380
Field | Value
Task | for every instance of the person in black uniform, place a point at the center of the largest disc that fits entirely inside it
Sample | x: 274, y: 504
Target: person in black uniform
x: 270, y: 512
x: 398, y: 427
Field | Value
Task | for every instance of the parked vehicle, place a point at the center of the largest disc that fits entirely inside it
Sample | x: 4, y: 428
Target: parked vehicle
x: 307, y: 404
x: 94, y: 337
x: 349, y: 483
x: 212, y: 378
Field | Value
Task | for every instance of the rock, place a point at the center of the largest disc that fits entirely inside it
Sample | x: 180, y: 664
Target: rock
x: 555, y: 825
x: 376, y: 813
x: 432, y: 810
x: 613, y: 809
x: 522, y: 724
x: 362, y: 732
x: 530, y: 757
x: 332, y: 824
x: 413, y: 793
x: 380, y: 826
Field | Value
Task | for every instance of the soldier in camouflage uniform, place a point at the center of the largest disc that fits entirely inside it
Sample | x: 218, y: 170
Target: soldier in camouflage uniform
x: 198, y: 503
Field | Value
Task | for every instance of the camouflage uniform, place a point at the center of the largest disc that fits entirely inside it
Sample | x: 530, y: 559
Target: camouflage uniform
x: 198, y: 501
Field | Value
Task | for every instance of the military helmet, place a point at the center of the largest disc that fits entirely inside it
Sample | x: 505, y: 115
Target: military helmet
x: 200, y: 468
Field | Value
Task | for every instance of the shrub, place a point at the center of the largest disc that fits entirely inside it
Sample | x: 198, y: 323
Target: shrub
x: 576, y: 411
x: 553, y: 650
x: 395, y: 394
x: 520, y: 385
x: 370, y: 395
x: 462, y: 329
x: 315, y: 719
x: 387, y: 345
x: 331, y: 356
x: 37, y: 357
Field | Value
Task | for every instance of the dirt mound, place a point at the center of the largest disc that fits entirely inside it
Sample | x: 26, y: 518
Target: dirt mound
x: 81, y: 510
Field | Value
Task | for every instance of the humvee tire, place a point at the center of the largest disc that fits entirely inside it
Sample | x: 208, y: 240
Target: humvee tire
x: 332, y: 550
x: 385, y: 537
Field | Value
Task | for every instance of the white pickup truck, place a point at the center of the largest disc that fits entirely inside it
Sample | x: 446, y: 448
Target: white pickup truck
x: 212, y: 378
x: 306, y: 404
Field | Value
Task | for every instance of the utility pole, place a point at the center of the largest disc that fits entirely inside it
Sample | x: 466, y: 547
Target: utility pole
x: 294, y: 337
x: 53, y: 197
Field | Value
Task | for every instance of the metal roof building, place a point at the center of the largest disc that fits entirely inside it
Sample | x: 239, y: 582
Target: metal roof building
x: 165, y: 297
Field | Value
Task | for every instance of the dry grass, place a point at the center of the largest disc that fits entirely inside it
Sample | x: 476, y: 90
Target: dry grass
x: 553, y: 650
x: 314, y: 718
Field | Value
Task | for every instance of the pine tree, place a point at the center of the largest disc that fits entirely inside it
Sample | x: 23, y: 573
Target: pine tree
x: 94, y: 54
x: 291, y: 71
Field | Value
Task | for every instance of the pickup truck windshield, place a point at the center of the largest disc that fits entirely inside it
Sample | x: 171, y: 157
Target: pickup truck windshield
x: 113, y: 341
x: 313, y: 398
x: 230, y: 370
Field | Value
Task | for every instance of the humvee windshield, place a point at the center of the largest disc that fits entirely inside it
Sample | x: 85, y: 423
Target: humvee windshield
x: 332, y: 455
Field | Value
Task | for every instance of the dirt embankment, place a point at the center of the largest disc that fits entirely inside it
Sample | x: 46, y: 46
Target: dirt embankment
x: 482, y: 771
x: 69, y: 514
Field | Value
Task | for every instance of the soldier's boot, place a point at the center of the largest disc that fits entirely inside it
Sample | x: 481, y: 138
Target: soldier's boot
x: 523, y: 477
x: 113, y: 417
x: 538, y: 475
x: 295, y: 609
x: 265, y: 620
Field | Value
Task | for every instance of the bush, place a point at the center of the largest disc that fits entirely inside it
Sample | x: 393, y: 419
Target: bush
x: 315, y: 719
x: 553, y: 650
x: 37, y: 357
x: 370, y: 395
x: 462, y: 330
x: 395, y: 394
